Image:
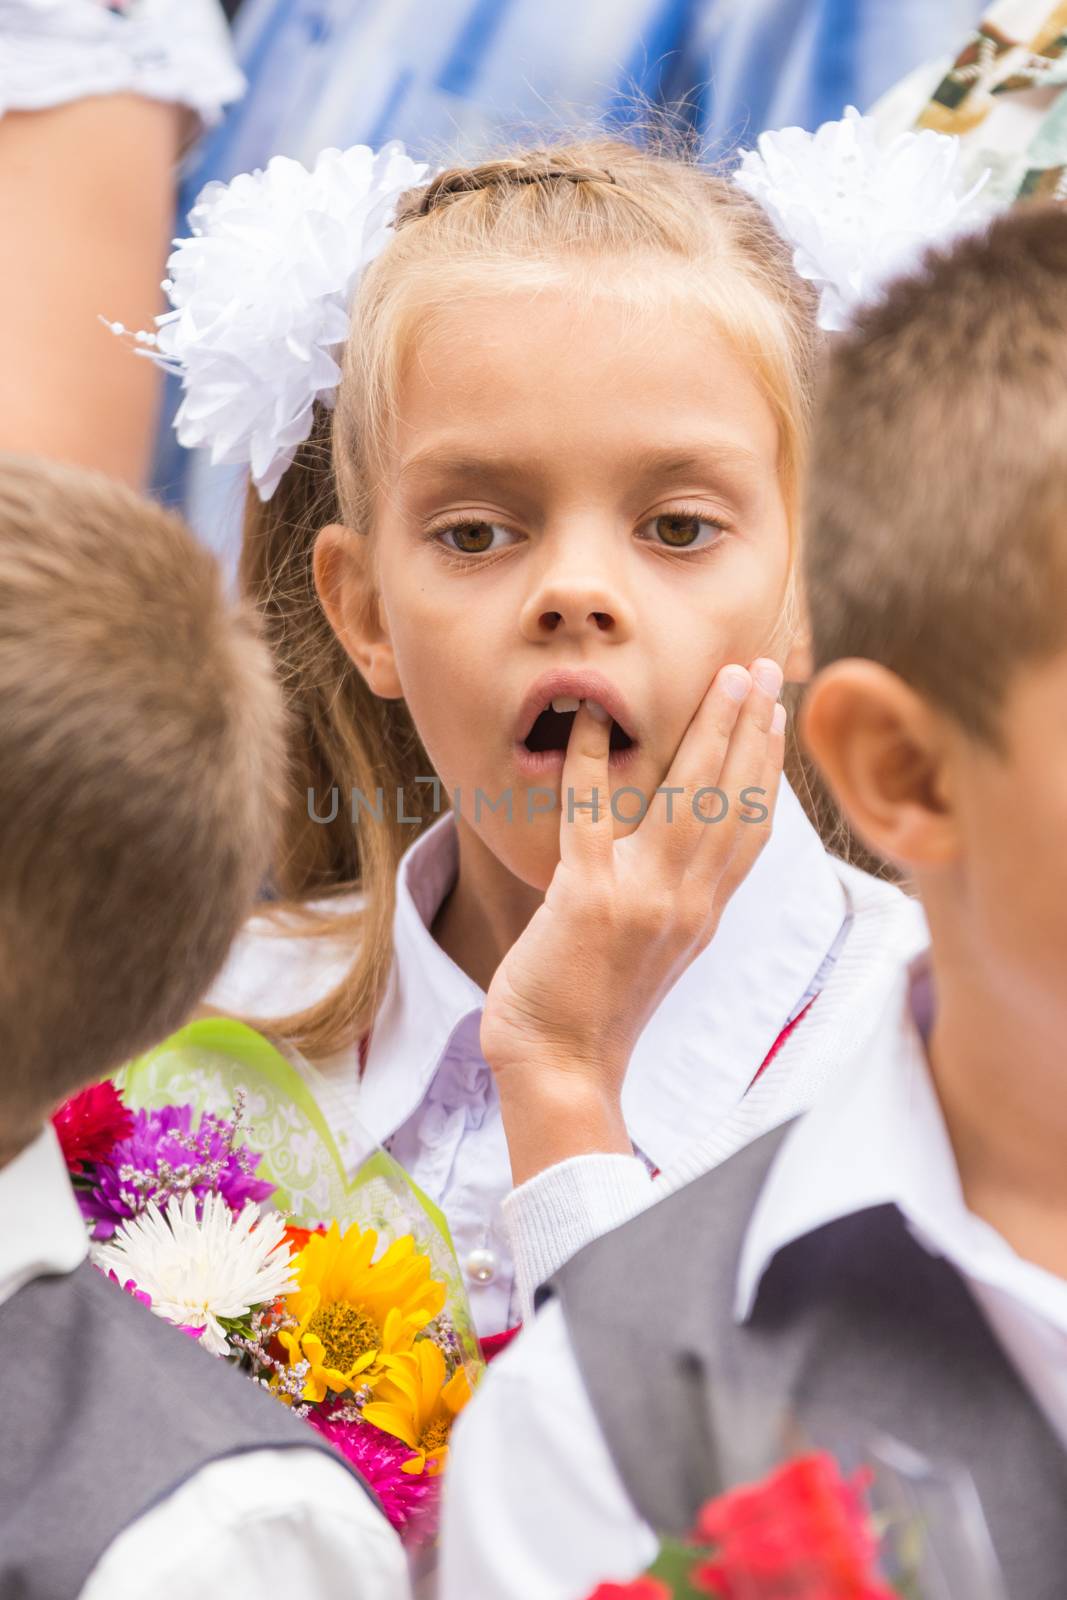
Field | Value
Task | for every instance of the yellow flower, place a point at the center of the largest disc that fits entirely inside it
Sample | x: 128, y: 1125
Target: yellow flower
x: 352, y: 1312
x: 413, y: 1402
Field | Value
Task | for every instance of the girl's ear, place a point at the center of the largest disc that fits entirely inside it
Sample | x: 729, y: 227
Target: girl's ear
x: 888, y: 757
x: 798, y: 663
x: 344, y: 581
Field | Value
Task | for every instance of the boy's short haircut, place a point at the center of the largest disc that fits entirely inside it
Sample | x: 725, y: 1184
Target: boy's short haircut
x: 141, y: 771
x: 936, y: 525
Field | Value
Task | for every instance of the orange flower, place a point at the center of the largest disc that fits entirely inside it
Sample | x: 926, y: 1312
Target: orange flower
x: 298, y: 1237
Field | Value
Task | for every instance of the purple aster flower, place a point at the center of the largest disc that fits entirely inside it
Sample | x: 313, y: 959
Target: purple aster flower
x: 410, y: 1502
x: 166, y: 1155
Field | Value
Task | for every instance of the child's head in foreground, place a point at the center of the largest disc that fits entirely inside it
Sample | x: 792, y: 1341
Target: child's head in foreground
x: 936, y: 570
x: 570, y: 425
x: 141, y: 753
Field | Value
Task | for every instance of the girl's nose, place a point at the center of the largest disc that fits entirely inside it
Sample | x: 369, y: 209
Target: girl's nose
x: 576, y: 605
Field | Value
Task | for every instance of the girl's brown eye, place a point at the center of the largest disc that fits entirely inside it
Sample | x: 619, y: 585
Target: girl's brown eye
x: 678, y: 530
x: 471, y: 538
x: 682, y: 530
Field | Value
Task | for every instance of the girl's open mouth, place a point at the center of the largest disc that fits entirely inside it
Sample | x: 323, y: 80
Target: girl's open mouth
x: 543, y: 749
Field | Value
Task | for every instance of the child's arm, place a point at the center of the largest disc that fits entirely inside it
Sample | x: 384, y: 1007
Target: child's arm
x: 96, y: 102
x: 622, y: 919
x: 91, y: 186
x: 290, y: 1522
x: 533, y: 1503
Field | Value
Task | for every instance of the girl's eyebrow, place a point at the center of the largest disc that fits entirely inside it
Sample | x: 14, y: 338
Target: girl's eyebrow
x: 442, y: 465
x: 707, y: 459
x: 711, y: 458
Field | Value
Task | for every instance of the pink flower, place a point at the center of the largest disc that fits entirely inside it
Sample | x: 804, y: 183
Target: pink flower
x: 409, y: 1502
x: 130, y: 1288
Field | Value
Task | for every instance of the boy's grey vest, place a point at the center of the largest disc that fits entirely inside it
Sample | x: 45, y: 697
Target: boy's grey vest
x: 855, y: 1319
x: 104, y: 1410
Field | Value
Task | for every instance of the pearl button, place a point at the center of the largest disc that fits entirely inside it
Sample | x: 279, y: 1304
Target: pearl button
x: 481, y: 1266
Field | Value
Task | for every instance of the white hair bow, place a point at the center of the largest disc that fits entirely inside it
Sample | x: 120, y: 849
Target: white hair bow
x: 859, y: 210
x: 261, y: 293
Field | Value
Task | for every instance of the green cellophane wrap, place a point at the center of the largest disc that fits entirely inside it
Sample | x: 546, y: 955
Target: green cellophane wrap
x: 208, y: 1063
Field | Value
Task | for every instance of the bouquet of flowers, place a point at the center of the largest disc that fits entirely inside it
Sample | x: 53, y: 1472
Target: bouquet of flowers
x: 895, y: 1528
x: 214, y: 1191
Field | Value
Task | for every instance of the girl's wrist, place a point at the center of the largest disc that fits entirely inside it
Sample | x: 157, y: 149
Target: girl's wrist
x: 550, y: 1115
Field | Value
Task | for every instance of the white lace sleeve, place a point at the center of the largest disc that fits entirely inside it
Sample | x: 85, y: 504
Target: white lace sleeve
x: 54, y: 51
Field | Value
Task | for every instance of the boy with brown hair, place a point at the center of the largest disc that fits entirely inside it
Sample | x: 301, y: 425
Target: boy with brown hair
x: 141, y: 755
x: 898, y: 1254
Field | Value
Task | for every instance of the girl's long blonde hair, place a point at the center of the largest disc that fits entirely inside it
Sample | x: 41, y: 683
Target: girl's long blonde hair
x: 596, y: 211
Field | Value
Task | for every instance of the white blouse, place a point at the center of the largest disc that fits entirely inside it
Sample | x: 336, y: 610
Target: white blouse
x: 55, y: 51
x: 428, y: 1095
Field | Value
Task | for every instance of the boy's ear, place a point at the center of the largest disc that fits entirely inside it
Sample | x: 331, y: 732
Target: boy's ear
x: 888, y: 759
x: 345, y: 585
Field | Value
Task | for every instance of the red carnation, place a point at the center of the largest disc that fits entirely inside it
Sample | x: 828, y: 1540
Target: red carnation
x: 640, y: 1589
x: 90, y: 1124
x: 803, y: 1534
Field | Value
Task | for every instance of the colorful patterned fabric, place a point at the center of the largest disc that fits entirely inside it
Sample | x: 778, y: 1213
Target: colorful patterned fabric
x: 1004, y: 91
x: 1002, y: 95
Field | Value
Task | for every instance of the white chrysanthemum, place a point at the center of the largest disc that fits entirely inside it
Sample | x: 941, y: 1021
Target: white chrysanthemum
x: 198, y: 1270
x: 261, y: 294
x: 859, y: 210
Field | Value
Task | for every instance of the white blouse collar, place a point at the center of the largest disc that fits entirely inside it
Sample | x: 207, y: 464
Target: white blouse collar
x: 702, y: 1047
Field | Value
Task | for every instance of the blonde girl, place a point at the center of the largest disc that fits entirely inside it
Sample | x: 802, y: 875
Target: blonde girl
x: 544, y: 543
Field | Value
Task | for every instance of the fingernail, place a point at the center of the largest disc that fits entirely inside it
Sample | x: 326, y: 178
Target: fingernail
x: 597, y: 712
x: 778, y: 720
x: 736, y: 682
x: 768, y: 674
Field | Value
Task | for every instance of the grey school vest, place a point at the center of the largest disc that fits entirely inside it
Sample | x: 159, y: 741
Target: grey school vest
x: 856, y: 1318
x: 104, y: 1410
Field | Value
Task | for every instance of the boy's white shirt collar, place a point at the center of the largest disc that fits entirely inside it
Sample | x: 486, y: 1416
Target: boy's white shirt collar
x: 713, y: 1029
x: 877, y: 1136
x: 41, y: 1228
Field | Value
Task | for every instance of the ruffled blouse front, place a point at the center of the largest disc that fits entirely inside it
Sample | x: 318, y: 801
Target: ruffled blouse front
x: 426, y: 1093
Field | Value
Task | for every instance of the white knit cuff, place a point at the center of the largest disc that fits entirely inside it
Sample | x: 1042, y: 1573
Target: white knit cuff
x: 56, y: 51
x: 550, y: 1217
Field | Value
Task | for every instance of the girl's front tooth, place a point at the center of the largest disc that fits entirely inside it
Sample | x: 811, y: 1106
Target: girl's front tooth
x: 565, y: 702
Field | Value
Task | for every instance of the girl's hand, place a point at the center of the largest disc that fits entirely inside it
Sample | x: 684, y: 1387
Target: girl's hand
x: 623, y: 918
